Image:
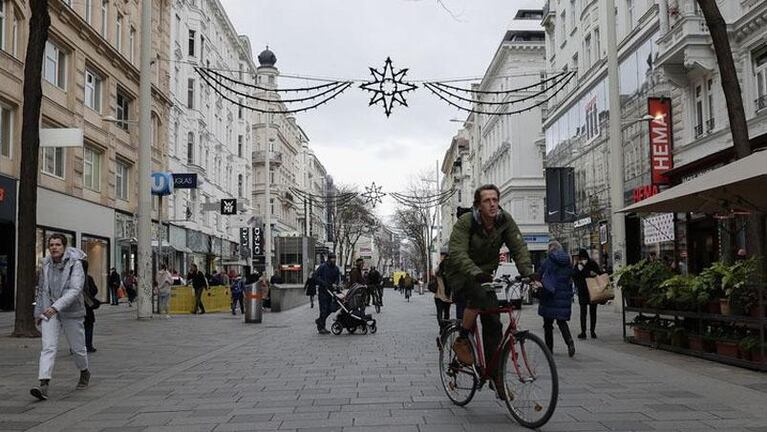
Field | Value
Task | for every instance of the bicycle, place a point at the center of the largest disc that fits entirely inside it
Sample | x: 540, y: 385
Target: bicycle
x: 374, y: 296
x: 525, y: 365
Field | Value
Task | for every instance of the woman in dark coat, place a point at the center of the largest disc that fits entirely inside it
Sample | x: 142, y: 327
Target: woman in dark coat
x: 585, y: 268
x: 557, y: 296
x: 310, y: 288
x: 90, y: 290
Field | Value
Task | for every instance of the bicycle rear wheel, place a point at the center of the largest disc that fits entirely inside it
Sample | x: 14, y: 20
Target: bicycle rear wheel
x: 531, y: 380
x: 459, y: 380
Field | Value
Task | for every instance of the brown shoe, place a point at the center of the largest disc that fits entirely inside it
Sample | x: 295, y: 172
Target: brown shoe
x: 462, y: 350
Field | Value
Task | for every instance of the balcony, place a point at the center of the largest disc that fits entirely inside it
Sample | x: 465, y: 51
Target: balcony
x: 761, y: 103
x: 698, y: 131
x: 549, y: 14
x: 686, y: 48
x: 259, y: 158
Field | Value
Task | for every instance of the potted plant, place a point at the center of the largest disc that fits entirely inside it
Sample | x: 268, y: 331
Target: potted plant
x: 709, y: 338
x: 642, y: 329
x: 662, y: 330
x: 747, y: 346
x: 695, y: 342
x: 651, y: 277
x: 628, y: 279
x: 680, y: 292
x: 709, y: 285
x: 727, y: 343
x: 678, y: 336
x: 741, y: 288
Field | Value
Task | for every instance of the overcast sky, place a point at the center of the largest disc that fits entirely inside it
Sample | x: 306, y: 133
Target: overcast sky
x: 343, y: 38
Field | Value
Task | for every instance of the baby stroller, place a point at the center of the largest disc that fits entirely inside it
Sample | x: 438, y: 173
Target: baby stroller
x: 351, y: 312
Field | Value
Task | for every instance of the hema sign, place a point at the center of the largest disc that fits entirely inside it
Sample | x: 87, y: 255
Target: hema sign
x: 661, y: 140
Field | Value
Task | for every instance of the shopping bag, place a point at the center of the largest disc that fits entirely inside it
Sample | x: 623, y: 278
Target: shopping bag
x: 600, y: 289
x: 121, y: 293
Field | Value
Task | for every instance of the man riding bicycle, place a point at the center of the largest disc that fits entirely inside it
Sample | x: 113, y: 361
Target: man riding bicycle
x: 475, y: 244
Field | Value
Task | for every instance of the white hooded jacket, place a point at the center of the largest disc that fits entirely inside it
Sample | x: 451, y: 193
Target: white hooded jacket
x: 67, y: 297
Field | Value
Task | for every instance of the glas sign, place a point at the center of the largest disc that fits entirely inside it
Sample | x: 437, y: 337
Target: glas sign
x: 185, y: 181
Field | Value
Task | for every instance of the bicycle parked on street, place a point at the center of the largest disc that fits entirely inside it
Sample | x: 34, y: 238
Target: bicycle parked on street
x: 523, y: 362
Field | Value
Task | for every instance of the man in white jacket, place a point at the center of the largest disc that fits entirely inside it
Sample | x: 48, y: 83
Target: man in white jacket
x: 60, y: 306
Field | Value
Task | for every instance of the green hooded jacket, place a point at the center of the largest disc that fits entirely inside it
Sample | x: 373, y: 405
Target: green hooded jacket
x: 472, y: 251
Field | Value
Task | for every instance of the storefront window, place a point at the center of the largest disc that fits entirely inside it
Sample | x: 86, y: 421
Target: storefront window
x: 97, y: 250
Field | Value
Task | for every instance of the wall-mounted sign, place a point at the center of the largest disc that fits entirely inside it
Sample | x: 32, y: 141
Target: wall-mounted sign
x: 644, y: 192
x: 661, y: 139
x: 603, y: 233
x: 162, y: 183
x: 658, y: 229
x: 185, y: 181
x: 582, y: 222
x: 229, y: 206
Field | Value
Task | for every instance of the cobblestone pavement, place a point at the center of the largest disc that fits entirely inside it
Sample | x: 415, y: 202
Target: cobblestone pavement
x: 214, y: 373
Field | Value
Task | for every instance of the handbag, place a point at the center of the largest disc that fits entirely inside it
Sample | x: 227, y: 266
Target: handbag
x: 600, y: 289
x: 92, y: 302
x: 121, y: 292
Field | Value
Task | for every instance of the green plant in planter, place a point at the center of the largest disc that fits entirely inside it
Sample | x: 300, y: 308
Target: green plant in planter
x: 651, y: 277
x: 680, y: 292
x: 748, y: 344
x: 741, y: 286
x: 678, y: 336
x: 710, y: 280
x: 628, y: 278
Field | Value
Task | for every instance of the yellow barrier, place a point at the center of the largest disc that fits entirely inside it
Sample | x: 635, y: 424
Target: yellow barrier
x: 216, y: 299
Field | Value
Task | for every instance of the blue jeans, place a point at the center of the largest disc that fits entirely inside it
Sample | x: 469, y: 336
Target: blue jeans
x: 325, y: 310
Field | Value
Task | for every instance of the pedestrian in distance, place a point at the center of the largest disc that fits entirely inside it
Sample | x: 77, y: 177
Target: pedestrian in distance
x: 238, y: 293
x: 90, y: 290
x: 327, y: 275
x: 401, y: 284
x: 310, y: 288
x: 443, y: 295
x: 408, y: 284
x: 199, y: 283
x: 556, y: 296
x: 355, y: 276
x: 60, y: 306
x: 113, y: 282
x: 164, y: 282
x: 129, y: 282
x: 276, y: 279
x: 375, y: 281
x: 586, y: 268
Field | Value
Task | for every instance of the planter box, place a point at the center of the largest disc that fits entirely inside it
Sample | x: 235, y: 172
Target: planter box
x: 695, y: 342
x: 643, y: 335
x: 714, y: 307
x: 638, y: 302
x: 679, y: 340
x: 724, y: 307
x: 727, y: 349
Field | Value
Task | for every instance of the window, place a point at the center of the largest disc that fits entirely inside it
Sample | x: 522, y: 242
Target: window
x: 587, y: 51
x: 710, y: 124
x: 239, y: 109
x: 239, y: 146
x: 119, y: 32
x: 760, y: 70
x: 15, y: 35
x: 597, y: 47
x: 132, y: 44
x: 239, y: 185
x: 630, y: 15
x: 572, y: 15
x: 92, y: 90
x: 2, y: 24
x: 190, y: 148
x: 191, y: 42
x: 122, y: 180
x: 54, y: 67
x: 53, y: 161
x: 104, y: 15
x: 88, y: 11
x: 202, y: 47
x: 91, y: 169
x: 562, y: 21
x: 123, y: 109
x: 6, y: 131
x: 592, y: 120
x: 178, y: 29
x: 190, y: 93
x: 698, y: 110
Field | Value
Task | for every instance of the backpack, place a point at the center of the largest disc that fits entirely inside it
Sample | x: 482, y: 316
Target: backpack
x: 408, y: 282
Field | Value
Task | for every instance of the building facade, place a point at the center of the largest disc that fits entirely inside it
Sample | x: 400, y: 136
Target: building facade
x: 209, y: 137
x: 90, y: 82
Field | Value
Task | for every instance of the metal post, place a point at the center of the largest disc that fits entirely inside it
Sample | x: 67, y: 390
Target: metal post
x: 268, y: 194
x: 158, y: 260
x: 144, y: 252
x: 615, y: 146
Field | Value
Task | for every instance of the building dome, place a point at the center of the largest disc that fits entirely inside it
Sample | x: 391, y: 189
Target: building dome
x: 267, y: 58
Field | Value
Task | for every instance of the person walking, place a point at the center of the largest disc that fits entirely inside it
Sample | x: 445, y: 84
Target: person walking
x: 238, y: 293
x: 164, y: 282
x: 407, y: 284
x: 443, y: 296
x: 114, y: 284
x: 199, y: 283
x: 90, y: 290
x: 557, y: 296
x: 375, y: 282
x: 129, y: 282
x: 60, y: 306
x: 585, y: 268
x: 327, y: 275
x: 355, y: 276
x: 310, y: 288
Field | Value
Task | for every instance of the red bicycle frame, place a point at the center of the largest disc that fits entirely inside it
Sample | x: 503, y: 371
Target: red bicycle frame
x: 508, y: 336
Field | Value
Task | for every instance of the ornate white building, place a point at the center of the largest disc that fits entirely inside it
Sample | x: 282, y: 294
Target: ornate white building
x: 209, y: 136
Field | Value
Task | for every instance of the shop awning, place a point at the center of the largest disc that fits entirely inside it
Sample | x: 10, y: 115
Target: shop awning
x: 740, y: 185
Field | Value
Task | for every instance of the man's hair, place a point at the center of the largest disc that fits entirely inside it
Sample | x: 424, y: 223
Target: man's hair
x: 61, y: 237
x: 163, y: 267
x: 193, y: 266
x: 478, y: 192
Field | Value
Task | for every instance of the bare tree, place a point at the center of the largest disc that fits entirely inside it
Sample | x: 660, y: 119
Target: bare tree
x: 735, y: 110
x: 39, y: 23
x: 412, y: 223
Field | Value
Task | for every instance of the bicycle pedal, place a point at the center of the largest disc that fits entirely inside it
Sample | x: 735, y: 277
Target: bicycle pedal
x: 538, y: 407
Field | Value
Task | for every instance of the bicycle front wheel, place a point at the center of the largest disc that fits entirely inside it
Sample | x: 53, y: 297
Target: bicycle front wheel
x: 459, y: 380
x: 532, y: 383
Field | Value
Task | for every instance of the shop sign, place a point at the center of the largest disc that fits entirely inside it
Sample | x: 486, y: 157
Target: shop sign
x: 582, y: 222
x: 661, y: 140
x: 162, y: 183
x: 228, y: 206
x: 185, y: 181
x: 643, y: 192
x: 659, y: 228
x: 7, y: 198
x: 536, y: 238
x: 603, y: 233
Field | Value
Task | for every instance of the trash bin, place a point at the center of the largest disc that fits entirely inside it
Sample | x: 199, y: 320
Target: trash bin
x: 254, y: 307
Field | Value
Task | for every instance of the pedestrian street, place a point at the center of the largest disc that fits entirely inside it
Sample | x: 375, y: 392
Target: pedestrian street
x: 212, y: 372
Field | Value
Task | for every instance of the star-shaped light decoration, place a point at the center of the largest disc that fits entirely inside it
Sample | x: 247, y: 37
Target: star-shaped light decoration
x: 388, y: 87
x: 373, y: 194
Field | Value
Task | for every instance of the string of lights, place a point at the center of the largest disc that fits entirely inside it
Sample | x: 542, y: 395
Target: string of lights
x: 265, y: 111
x: 249, y: 96
x: 257, y: 87
x: 496, y: 92
x: 499, y: 113
x: 511, y: 102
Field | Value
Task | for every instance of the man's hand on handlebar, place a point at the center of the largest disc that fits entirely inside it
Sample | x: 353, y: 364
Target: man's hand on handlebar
x: 483, y: 278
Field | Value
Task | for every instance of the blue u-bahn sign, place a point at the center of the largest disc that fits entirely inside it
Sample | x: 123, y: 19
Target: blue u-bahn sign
x: 162, y: 183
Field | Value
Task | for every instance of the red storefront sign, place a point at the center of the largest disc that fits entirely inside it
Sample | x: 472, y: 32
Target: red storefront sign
x: 644, y: 192
x: 661, y: 140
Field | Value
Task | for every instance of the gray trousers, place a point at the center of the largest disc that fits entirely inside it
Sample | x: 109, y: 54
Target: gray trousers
x: 75, y: 334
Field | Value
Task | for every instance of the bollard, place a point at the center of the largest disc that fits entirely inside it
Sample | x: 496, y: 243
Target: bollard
x: 254, y: 307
